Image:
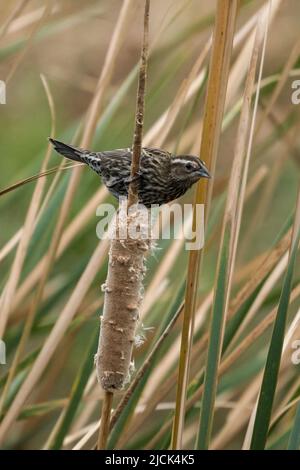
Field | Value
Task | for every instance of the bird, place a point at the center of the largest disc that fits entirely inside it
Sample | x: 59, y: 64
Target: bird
x: 162, y: 176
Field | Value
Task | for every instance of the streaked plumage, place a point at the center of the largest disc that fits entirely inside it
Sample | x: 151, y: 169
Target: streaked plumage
x: 162, y: 178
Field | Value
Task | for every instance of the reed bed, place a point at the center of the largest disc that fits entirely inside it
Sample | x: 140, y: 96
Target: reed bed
x: 217, y: 365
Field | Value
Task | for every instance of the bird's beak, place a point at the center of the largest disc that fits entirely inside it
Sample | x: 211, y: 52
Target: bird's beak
x: 204, y: 173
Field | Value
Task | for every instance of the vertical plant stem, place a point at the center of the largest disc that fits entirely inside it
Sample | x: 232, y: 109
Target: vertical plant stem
x: 139, y: 115
x: 229, y: 239
x: 106, y: 73
x: 20, y: 57
x: 214, y: 107
x: 125, y: 274
x: 105, y: 420
x: 14, y: 14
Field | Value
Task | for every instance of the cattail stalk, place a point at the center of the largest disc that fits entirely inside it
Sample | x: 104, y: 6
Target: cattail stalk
x: 124, y: 283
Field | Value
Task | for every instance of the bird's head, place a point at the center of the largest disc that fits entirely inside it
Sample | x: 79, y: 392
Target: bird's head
x: 188, y: 169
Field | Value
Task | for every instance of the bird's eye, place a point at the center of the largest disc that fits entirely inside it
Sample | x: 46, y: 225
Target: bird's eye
x: 189, y: 166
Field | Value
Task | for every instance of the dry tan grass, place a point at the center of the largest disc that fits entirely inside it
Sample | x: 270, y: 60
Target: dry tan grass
x: 49, y: 312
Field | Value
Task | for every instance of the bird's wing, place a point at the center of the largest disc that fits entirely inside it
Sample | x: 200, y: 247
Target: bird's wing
x: 115, y: 166
x: 156, y: 152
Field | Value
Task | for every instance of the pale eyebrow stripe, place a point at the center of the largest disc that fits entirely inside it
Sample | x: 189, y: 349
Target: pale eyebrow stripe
x: 179, y: 160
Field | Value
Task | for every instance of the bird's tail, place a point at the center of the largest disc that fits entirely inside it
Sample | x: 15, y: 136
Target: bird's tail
x: 66, y: 150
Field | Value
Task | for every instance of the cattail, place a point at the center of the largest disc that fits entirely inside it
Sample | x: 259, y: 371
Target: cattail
x: 125, y: 272
x: 123, y: 296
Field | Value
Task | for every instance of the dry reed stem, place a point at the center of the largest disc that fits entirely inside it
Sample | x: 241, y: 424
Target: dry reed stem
x: 124, y: 283
x: 85, y: 415
x: 292, y: 58
x: 29, y: 43
x: 26, y: 20
x: 233, y: 211
x: 214, y: 108
x: 237, y: 418
x: 159, y: 279
x: 115, y: 44
x: 139, y: 116
x: 240, y: 66
x: 267, y: 287
x: 192, y: 82
x: 260, y: 41
x: 238, y: 69
x: 236, y: 189
x: 105, y: 417
x: 277, y: 119
x: 42, y: 174
x: 85, y: 439
x: 275, y: 173
x: 9, y: 246
x: 14, y: 14
x: 80, y: 432
x: 268, y: 261
x: 158, y: 127
x: 166, y: 372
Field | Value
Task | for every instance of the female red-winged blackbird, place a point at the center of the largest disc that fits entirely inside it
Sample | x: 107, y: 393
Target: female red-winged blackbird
x: 162, y: 176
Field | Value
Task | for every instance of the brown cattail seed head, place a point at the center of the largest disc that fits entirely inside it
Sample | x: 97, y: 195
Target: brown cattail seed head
x: 121, y: 310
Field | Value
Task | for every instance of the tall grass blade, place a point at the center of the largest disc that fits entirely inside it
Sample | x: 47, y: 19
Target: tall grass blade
x: 270, y: 378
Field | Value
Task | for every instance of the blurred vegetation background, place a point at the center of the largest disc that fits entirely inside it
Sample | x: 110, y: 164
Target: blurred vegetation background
x: 68, y: 46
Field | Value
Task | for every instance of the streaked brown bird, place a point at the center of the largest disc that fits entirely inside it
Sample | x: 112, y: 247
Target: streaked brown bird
x: 162, y: 177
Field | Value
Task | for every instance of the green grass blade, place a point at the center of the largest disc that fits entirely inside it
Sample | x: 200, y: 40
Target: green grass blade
x: 76, y: 393
x: 41, y: 409
x: 214, y: 350
x: 267, y: 393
